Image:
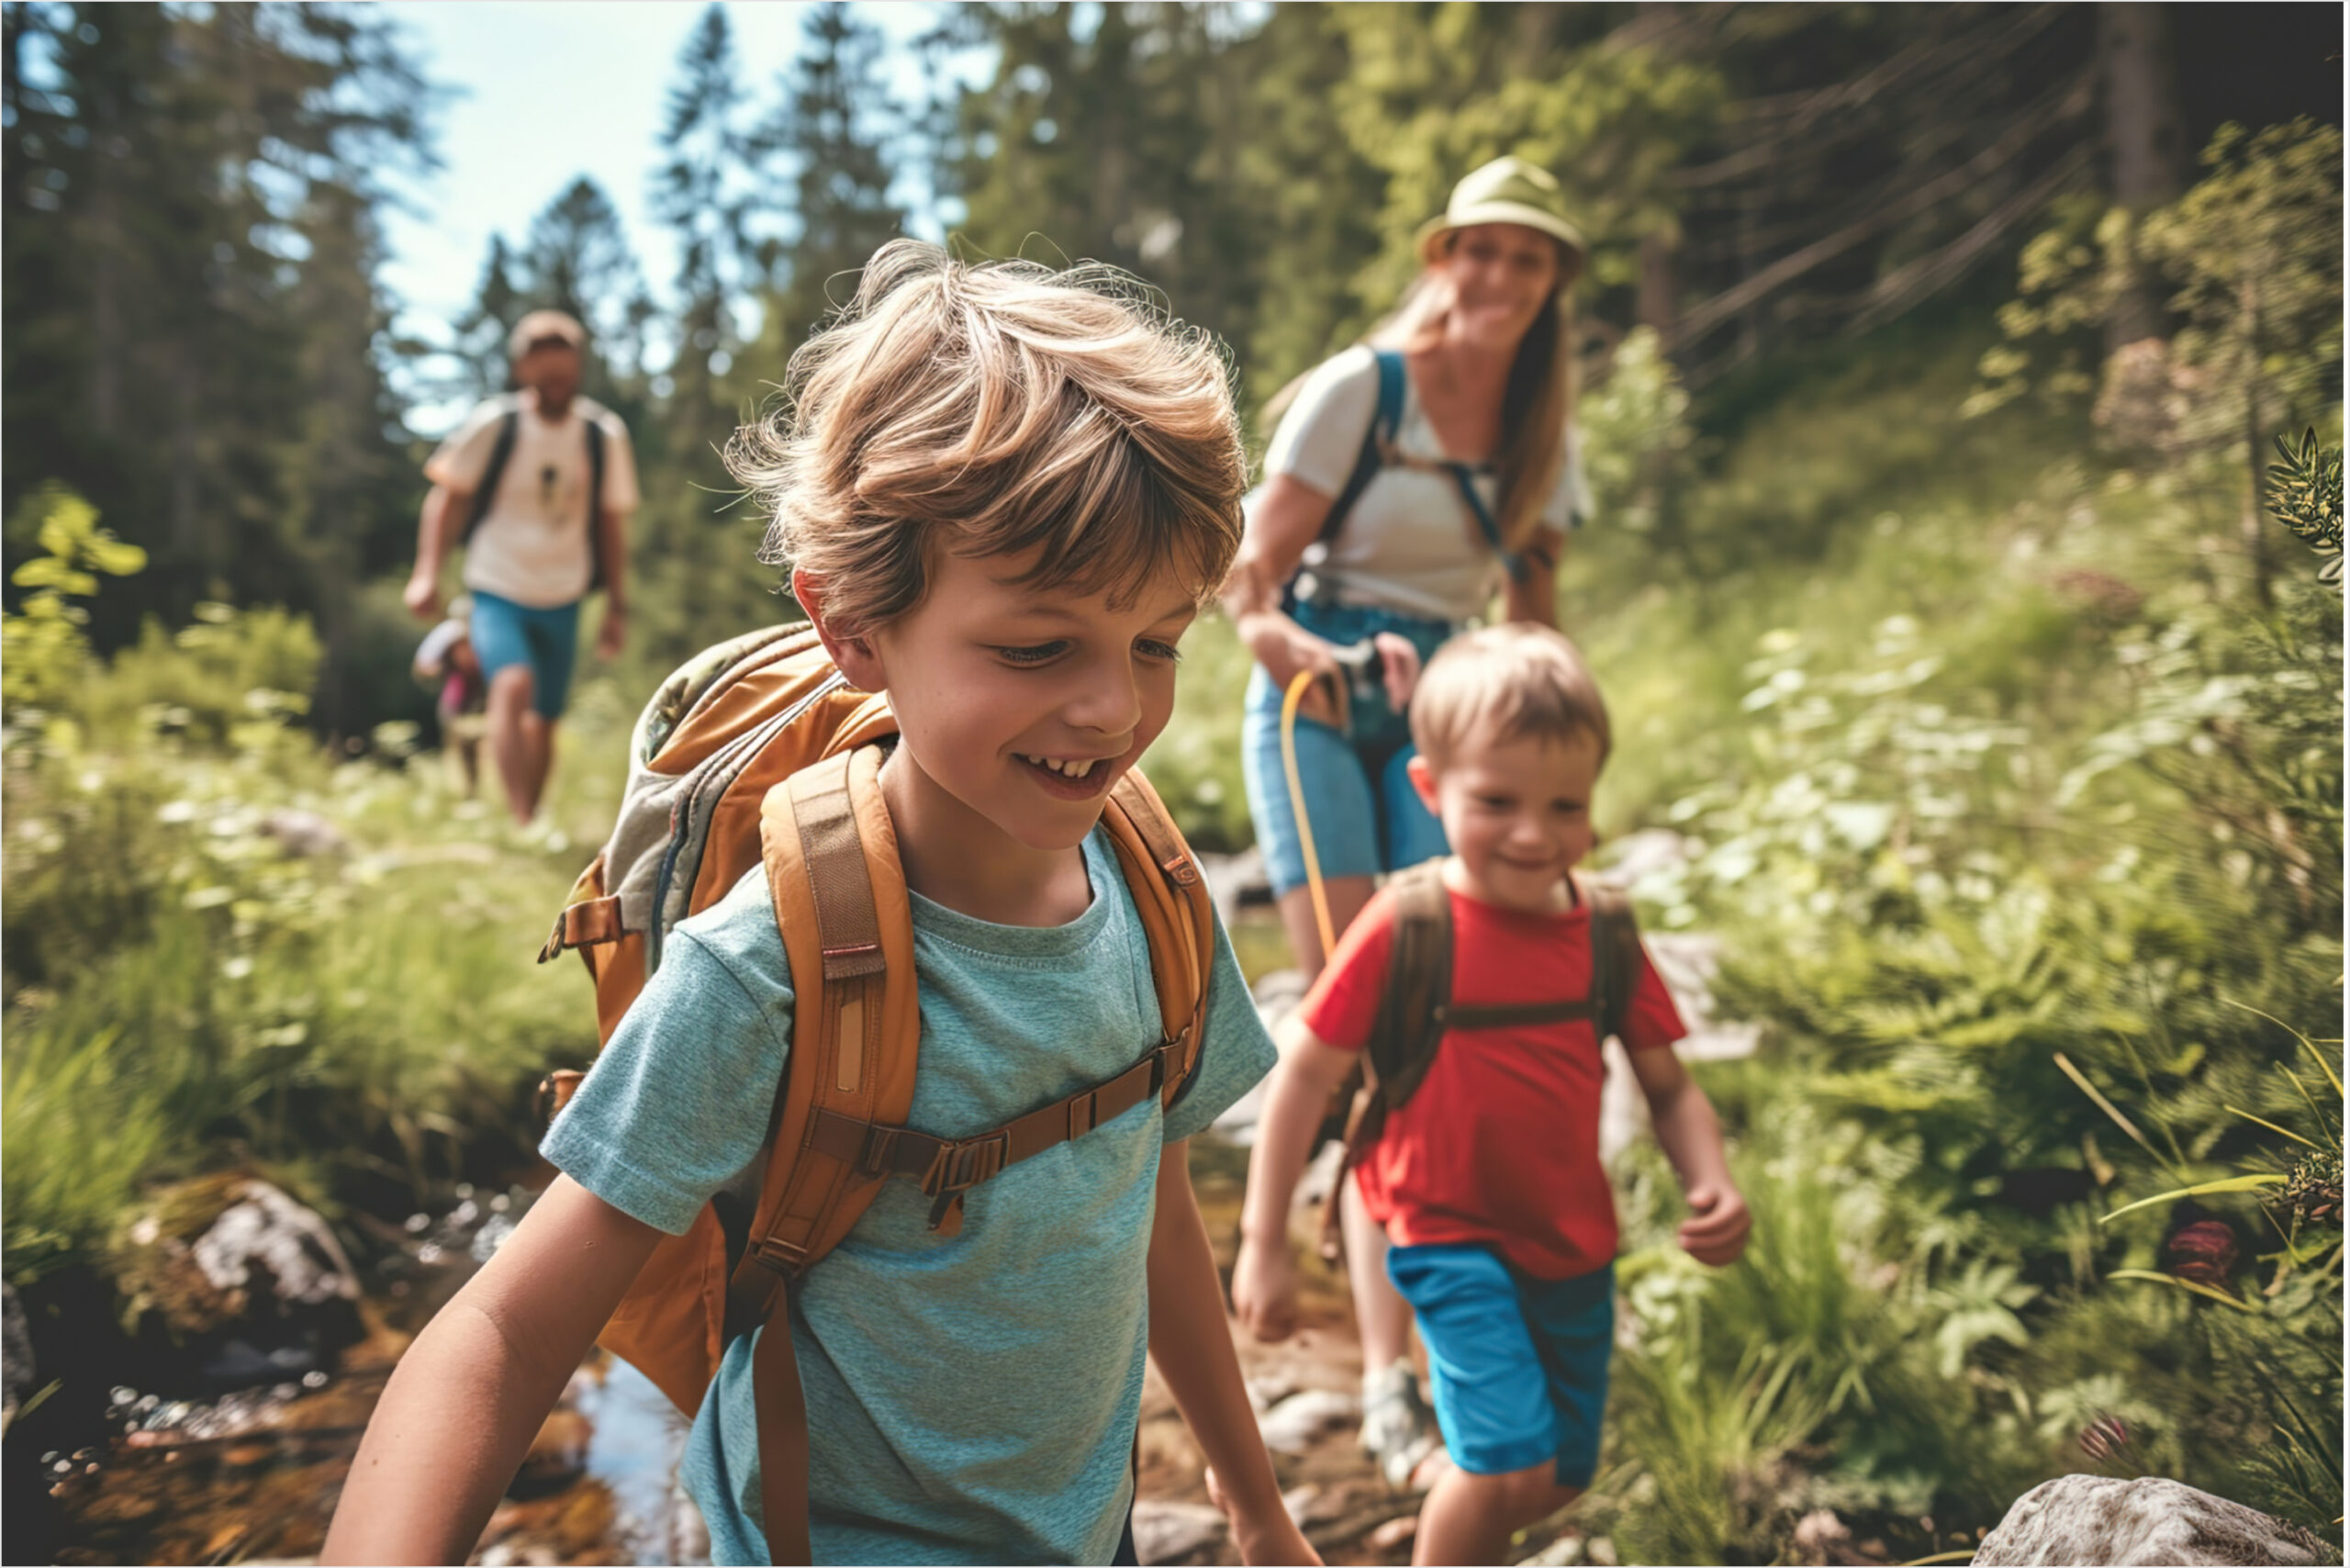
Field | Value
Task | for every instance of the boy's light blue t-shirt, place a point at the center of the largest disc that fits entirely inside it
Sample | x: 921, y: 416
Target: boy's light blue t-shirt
x: 973, y: 1398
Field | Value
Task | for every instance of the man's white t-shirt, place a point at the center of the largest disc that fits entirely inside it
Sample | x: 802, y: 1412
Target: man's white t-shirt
x: 533, y: 545
x: 1410, y: 543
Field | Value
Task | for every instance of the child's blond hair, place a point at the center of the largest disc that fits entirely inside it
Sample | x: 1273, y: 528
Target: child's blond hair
x: 1504, y: 683
x: 991, y: 410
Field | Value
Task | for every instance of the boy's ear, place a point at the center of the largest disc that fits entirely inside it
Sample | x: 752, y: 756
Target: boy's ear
x: 854, y: 655
x: 1423, y: 777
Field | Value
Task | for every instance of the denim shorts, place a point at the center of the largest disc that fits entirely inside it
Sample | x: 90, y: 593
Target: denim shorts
x: 1519, y: 1365
x: 1360, y: 803
x: 505, y: 632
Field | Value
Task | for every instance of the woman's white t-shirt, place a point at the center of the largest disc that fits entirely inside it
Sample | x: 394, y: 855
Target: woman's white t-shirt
x: 1410, y: 543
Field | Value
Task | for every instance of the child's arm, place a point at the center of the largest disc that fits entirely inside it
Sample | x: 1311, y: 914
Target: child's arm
x: 1192, y: 1346
x: 468, y: 1397
x: 1264, y: 1279
x: 1715, y: 1230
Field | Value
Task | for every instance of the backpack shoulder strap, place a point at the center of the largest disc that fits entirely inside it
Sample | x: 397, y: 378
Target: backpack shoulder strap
x: 595, y: 501
x: 832, y: 865
x: 1386, y: 419
x: 1178, y: 917
x: 486, y: 488
x: 1615, y: 955
x: 1417, y: 1005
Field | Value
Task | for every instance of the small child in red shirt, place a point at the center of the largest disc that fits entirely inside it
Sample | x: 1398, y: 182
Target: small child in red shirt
x: 1488, y: 1178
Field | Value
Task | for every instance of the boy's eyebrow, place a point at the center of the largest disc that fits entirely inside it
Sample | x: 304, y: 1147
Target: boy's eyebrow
x: 1186, y: 608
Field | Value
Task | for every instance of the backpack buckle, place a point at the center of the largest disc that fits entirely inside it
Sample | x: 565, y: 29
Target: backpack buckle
x: 965, y: 1163
x: 955, y: 1168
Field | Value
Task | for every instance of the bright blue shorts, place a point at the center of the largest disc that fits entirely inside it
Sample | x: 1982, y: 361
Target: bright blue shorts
x: 505, y: 632
x: 1519, y: 1365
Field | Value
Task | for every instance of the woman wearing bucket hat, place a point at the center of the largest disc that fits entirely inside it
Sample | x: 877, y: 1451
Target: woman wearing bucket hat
x: 1412, y: 478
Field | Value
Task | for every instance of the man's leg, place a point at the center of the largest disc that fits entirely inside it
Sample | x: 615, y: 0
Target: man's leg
x: 511, y: 747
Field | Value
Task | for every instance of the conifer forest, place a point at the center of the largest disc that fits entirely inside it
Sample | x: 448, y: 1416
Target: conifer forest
x: 1961, y: 400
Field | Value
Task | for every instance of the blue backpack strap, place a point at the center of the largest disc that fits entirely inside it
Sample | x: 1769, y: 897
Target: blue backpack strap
x: 1386, y: 419
x: 1463, y: 478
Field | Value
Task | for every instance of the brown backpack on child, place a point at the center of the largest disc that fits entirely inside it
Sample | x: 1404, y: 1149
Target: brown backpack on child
x: 759, y: 751
x: 1416, y: 1008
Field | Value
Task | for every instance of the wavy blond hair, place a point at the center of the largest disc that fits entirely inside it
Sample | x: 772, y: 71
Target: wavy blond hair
x: 990, y: 410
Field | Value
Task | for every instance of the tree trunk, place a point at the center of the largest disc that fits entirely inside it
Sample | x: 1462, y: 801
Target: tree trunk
x: 2142, y: 133
x: 1657, y: 306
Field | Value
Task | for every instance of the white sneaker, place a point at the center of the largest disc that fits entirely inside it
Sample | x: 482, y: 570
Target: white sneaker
x: 1398, y: 1430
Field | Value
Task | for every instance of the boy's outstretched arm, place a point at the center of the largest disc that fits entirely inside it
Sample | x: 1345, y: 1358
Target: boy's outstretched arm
x: 468, y: 1397
x: 1191, y: 1342
x: 1264, y: 1277
x: 1715, y: 1230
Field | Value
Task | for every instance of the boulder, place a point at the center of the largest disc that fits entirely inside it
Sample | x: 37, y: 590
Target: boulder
x: 2098, y: 1520
x: 253, y: 1284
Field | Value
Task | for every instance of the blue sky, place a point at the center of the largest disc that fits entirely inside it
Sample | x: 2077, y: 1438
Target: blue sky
x: 548, y: 90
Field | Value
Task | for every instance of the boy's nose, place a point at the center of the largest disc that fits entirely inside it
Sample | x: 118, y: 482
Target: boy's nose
x: 1108, y: 701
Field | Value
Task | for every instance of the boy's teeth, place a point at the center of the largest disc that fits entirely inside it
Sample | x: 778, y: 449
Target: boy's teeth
x: 1072, y: 769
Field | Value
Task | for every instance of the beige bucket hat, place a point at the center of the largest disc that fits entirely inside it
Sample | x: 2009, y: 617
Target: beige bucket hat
x: 1507, y: 190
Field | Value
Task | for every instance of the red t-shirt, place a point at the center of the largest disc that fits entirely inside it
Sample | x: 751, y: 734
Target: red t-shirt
x: 1500, y: 1143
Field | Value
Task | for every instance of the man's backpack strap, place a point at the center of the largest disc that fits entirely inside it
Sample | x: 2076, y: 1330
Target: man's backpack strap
x: 501, y: 452
x: 595, y: 502
x: 486, y: 488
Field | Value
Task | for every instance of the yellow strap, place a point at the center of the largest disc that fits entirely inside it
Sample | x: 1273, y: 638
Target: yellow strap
x: 1290, y: 699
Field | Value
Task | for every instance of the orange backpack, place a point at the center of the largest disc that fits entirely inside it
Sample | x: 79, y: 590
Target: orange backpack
x: 759, y: 751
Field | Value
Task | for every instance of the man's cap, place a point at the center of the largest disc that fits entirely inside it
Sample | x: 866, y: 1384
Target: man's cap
x: 1507, y: 190
x: 540, y: 325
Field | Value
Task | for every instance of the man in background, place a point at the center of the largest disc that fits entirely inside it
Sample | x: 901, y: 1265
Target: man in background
x: 536, y: 485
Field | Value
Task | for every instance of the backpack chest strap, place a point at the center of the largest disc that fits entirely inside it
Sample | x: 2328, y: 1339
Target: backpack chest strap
x: 1518, y: 1015
x: 947, y: 1168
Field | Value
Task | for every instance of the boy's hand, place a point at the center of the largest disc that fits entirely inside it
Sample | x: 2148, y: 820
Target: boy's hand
x: 1715, y: 1232
x: 1264, y: 1290
x: 422, y: 597
x: 1276, y: 1540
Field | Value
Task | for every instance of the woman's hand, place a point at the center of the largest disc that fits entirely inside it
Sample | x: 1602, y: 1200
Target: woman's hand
x: 1400, y: 665
x: 1285, y: 648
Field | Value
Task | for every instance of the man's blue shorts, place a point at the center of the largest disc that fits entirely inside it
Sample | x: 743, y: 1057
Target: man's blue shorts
x: 1519, y: 1364
x: 505, y: 632
x: 1365, y: 814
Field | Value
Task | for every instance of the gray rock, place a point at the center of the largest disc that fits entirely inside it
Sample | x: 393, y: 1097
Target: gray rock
x: 266, y: 1231
x: 2098, y: 1520
x: 1292, y: 1426
x: 1564, y: 1552
x: 1170, y: 1532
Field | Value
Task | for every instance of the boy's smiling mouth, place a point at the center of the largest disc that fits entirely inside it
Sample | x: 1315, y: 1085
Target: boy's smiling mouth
x: 1072, y: 779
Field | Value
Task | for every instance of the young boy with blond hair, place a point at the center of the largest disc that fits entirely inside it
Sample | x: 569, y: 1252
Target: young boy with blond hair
x: 1488, y: 1178
x: 1004, y: 494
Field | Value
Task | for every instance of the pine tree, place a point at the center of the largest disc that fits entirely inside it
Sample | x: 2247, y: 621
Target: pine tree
x: 831, y: 127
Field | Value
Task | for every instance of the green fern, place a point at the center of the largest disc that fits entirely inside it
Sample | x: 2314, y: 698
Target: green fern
x: 2305, y: 492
